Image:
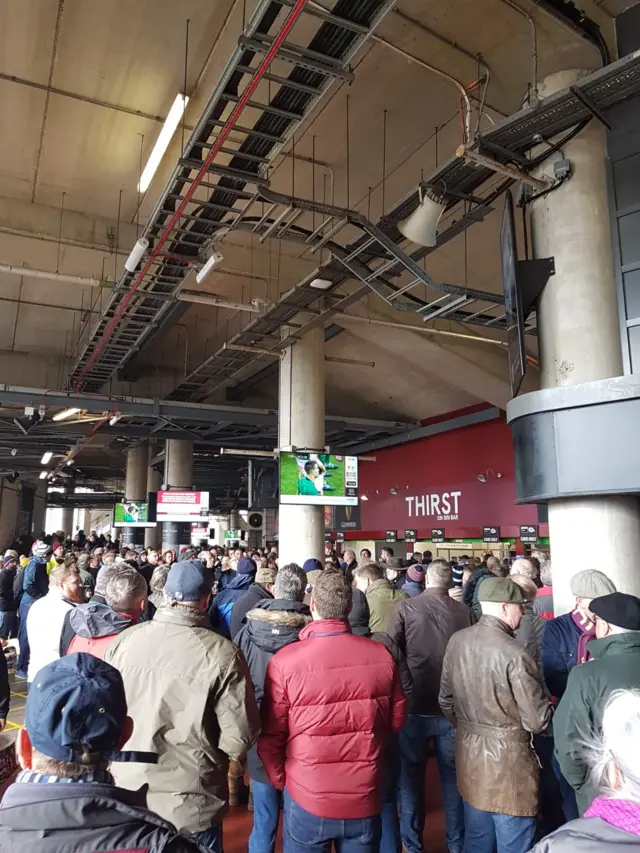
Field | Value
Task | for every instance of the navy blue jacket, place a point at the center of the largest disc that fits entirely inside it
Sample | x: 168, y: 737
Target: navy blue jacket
x: 413, y: 588
x: 35, y: 582
x: 559, y: 650
x: 222, y: 604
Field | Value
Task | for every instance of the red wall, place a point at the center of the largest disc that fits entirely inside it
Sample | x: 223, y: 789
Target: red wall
x: 432, y: 470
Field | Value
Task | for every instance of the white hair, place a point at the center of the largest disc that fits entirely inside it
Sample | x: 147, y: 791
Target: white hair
x: 618, y: 744
x: 491, y: 608
x: 525, y: 568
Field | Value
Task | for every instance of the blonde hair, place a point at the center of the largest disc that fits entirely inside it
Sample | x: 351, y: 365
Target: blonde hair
x: 63, y: 574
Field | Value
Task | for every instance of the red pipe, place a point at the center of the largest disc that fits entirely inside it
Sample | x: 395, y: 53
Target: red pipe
x: 295, y: 13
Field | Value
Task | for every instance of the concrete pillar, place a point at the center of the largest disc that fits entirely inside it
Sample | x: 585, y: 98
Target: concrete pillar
x: 82, y: 520
x: 178, y: 475
x: 67, y: 522
x: 135, y: 488
x: 301, y: 425
x: 579, y: 340
x: 153, y: 535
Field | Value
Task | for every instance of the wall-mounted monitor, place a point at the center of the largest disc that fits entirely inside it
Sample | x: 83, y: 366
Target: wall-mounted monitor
x: 183, y: 506
x: 133, y: 514
x: 318, y: 478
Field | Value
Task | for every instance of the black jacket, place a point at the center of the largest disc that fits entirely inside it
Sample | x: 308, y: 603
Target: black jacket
x: 5, y: 690
x: 359, y: 614
x: 78, y: 818
x: 469, y: 589
x: 252, y: 597
x: 272, y: 625
x: 7, y: 600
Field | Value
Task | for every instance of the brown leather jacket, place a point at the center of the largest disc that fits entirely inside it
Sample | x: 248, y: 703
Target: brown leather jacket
x: 421, y: 627
x: 492, y: 692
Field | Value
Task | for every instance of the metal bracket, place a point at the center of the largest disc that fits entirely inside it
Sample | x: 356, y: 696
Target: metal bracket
x: 470, y: 155
x: 588, y: 103
x: 533, y: 276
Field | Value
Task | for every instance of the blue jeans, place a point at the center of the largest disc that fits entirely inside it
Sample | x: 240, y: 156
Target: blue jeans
x: 23, y: 640
x: 267, y: 802
x: 414, y: 742
x: 209, y: 839
x: 486, y: 831
x: 7, y: 618
x: 306, y: 833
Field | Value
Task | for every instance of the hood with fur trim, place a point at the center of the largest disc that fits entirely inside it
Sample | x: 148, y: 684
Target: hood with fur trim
x: 275, y: 623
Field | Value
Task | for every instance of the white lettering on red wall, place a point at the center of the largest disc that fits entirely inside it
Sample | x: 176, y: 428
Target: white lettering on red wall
x: 441, y: 506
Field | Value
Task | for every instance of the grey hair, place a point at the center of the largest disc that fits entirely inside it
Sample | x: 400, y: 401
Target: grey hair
x: 524, y: 567
x: 545, y: 573
x: 105, y: 574
x: 125, y: 589
x: 291, y: 582
x: 439, y: 573
x: 159, y: 578
x: 617, y: 744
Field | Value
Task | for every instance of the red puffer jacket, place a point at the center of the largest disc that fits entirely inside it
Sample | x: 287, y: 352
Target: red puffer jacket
x: 330, y: 703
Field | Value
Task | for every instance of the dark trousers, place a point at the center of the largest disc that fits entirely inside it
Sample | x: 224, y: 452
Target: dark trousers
x: 306, y: 833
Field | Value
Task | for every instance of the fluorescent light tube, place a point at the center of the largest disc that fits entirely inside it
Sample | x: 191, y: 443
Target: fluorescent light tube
x: 136, y: 254
x: 215, y: 259
x: 44, y: 475
x: 48, y: 456
x: 162, y: 143
x: 65, y: 413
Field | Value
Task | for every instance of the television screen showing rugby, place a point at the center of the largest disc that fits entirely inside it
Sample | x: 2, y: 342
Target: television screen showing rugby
x: 132, y: 514
x: 318, y: 478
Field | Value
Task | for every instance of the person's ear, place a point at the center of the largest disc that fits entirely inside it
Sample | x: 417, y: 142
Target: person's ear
x: 312, y: 604
x: 24, y: 750
x: 125, y: 734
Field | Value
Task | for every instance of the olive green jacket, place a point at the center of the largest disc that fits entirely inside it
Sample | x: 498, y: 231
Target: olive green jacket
x: 382, y: 599
x: 190, y: 696
x: 578, y: 718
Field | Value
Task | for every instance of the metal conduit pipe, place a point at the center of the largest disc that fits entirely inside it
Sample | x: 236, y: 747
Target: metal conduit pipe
x: 434, y: 70
x: 444, y: 332
x: 291, y: 19
x: 533, y: 95
x: 183, y: 295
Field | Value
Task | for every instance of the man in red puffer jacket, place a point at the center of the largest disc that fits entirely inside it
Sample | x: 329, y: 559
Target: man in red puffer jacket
x: 330, y: 703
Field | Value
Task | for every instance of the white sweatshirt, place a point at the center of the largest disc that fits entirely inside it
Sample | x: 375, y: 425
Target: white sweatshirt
x: 44, y: 629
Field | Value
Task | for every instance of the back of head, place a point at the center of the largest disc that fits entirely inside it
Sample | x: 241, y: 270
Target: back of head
x: 105, y: 574
x: 545, y: 573
x: 331, y: 597
x: 496, y: 568
x: 126, y: 591
x: 159, y: 578
x: 525, y: 567
x: 63, y: 574
x: 613, y: 756
x: 439, y: 574
x: 525, y: 583
x: 368, y: 571
x: 290, y: 583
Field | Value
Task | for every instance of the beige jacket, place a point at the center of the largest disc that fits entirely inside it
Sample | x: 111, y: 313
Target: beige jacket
x: 190, y: 696
x: 492, y: 692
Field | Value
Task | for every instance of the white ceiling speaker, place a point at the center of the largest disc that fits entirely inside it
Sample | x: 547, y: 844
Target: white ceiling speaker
x: 422, y: 226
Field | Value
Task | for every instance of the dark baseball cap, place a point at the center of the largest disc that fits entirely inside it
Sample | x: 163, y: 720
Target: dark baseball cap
x: 188, y: 580
x: 76, y: 710
x: 247, y: 566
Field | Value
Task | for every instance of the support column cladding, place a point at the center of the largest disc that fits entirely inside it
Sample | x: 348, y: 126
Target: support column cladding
x: 579, y: 340
x: 301, y: 425
x: 153, y: 535
x: 135, y: 489
x: 178, y: 475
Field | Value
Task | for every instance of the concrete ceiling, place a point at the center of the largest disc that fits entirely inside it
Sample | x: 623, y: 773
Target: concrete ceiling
x: 83, y: 154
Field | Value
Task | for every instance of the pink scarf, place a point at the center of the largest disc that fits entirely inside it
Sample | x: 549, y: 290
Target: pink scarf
x: 587, y: 633
x: 624, y: 814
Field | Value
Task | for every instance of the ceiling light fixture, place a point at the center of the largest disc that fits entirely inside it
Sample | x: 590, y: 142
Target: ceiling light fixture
x: 114, y: 420
x: 136, y: 254
x: 215, y: 259
x: 162, y: 143
x: 44, y: 475
x: 65, y: 413
x: 321, y: 283
x: 47, y: 458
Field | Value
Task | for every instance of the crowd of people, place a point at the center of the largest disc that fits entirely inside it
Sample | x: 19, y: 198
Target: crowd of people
x: 157, y: 683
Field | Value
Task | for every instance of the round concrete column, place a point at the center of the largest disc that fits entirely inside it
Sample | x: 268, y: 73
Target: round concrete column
x: 153, y: 535
x: 178, y: 475
x: 301, y: 424
x: 67, y: 522
x: 579, y: 339
x: 135, y: 488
